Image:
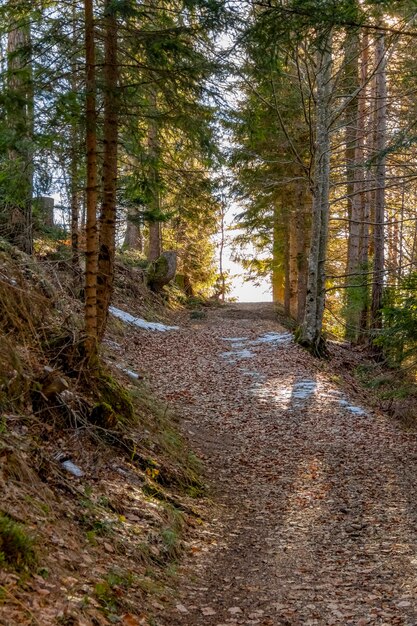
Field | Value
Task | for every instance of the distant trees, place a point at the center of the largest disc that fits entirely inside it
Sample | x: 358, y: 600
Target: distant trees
x: 104, y: 101
x: 342, y: 132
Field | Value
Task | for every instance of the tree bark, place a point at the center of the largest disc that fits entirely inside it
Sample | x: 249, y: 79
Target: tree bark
x: 107, y: 231
x: 278, y: 269
x: 133, y: 236
x: 155, y: 243
x: 20, y: 122
x: 353, y: 186
x: 379, y: 147
x: 74, y: 190
x: 311, y: 329
x: 154, y: 207
x: 91, y: 189
x: 298, y: 244
x: 363, y: 152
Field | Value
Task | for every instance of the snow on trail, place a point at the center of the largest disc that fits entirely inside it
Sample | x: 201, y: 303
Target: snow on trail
x: 317, y: 517
x: 301, y: 390
x: 139, y: 322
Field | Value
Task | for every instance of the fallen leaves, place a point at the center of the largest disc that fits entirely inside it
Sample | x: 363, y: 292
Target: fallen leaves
x: 316, y: 523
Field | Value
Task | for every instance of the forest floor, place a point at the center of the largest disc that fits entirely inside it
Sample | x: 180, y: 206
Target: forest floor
x: 313, y: 512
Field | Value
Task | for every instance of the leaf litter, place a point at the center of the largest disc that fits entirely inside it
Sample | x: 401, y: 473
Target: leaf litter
x: 314, y: 520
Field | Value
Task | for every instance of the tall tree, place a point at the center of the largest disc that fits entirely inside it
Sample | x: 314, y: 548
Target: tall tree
x: 379, y: 150
x: 107, y: 232
x: 311, y: 328
x: 91, y: 321
x: 20, y: 123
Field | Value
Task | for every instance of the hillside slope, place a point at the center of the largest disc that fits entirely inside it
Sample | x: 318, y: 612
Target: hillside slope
x: 98, y: 486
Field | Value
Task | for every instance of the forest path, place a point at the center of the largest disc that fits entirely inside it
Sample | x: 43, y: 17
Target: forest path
x: 317, y: 521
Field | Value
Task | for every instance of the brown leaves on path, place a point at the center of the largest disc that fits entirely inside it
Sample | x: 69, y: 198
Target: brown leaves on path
x: 316, y: 523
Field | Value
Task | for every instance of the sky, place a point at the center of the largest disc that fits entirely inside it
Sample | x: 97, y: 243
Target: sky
x: 241, y: 290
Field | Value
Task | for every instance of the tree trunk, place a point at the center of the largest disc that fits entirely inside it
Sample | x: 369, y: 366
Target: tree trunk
x: 107, y: 237
x: 91, y: 190
x: 379, y: 147
x: 20, y: 122
x: 311, y: 328
x: 353, y: 187
x: 74, y: 190
x: 154, y: 207
x: 298, y: 254
x: 278, y: 270
x: 133, y: 236
x: 363, y: 132
x: 155, y: 243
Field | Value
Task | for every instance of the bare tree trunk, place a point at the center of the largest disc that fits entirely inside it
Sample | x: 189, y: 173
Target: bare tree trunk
x: 311, y: 328
x: 365, y: 210
x: 293, y: 263
x: 91, y: 190
x: 133, y: 237
x: 155, y: 243
x: 107, y: 237
x: 155, y: 234
x: 354, y: 186
x: 303, y: 228
x: 75, y: 208
x: 74, y: 191
x: 286, y: 233
x: 221, y: 253
x: 379, y: 147
x: 278, y: 270
x: 298, y: 243
x: 20, y: 121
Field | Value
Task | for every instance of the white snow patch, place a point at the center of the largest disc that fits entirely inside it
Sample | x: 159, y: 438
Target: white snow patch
x: 129, y: 372
x: 139, y: 322
x: 304, y: 389
x: 234, y: 339
x: 276, y: 339
x: 237, y: 355
x: 72, y: 468
x: 355, y: 410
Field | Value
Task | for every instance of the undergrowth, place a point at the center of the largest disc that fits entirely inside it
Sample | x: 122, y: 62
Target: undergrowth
x: 133, y: 457
x: 16, y: 545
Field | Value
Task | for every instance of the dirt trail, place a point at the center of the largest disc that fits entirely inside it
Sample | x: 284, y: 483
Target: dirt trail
x: 317, y: 522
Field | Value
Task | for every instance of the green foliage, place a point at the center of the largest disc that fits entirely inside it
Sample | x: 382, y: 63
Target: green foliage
x: 111, y: 590
x: 399, y: 335
x: 16, y: 545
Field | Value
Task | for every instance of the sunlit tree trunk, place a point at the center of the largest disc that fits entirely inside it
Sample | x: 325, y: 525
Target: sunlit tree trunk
x: 107, y: 233
x: 311, y: 329
x: 278, y: 269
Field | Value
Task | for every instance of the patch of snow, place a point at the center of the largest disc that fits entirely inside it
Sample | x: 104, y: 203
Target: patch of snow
x: 355, y: 410
x: 304, y: 389
x: 274, y: 338
x: 233, y: 339
x: 237, y: 355
x: 253, y: 374
x: 139, y: 322
x: 129, y: 372
x: 72, y: 468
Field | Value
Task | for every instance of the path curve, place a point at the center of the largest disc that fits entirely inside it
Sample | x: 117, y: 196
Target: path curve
x: 317, y: 523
